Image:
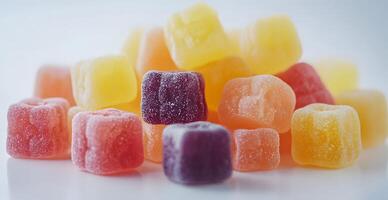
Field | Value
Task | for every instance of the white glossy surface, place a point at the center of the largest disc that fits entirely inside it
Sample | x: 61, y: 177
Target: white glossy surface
x: 36, y: 32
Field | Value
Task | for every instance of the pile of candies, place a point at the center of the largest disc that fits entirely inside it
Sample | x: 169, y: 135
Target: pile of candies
x: 202, y: 101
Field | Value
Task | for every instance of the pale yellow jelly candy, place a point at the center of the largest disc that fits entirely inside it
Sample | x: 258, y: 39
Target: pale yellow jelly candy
x: 270, y: 45
x: 195, y: 37
x: 371, y: 106
x: 325, y: 136
x: 132, y: 45
x: 104, y: 82
x: 338, y: 75
x: 217, y: 73
x: 234, y: 40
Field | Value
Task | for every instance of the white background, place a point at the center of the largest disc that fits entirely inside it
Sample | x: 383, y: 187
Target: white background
x: 33, y: 33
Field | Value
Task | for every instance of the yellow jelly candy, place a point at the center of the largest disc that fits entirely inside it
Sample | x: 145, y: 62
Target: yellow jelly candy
x: 338, y: 75
x: 270, y: 45
x: 325, y: 135
x: 234, y: 40
x: 104, y: 82
x: 195, y: 37
x: 217, y: 73
x: 371, y: 106
x: 132, y: 45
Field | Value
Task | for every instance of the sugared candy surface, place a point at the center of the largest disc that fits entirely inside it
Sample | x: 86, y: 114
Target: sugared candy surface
x: 54, y: 81
x: 262, y: 101
x: 107, y: 141
x: 37, y: 129
x: 173, y: 97
x: 196, y: 153
x: 326, y: 136
x: 256, y: 149
x: 371, y: 107
x: 306, y: 84
x: 152, y: 140
x: 270, y: 45
x: 104, y: 82
x: 195, y: 37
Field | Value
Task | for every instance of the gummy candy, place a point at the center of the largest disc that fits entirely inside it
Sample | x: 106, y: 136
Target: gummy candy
x: 153, y: 53
x: 338, y: 75
x: 107, y: 141
x: 262, y: 101
x: 152, y: 139
x: 306, y: 84
x: 52, y: 81
x: 224, y: 70
x: 256, y: 149
x: 326, y: 136
x: 173, y: 97
x: 70, y: 115
x: 234, y: 40
x: 103, y: 82
x: 195, y: 37
x: 132, y: 46
x: 196, y: 153
x: 37, y: 129
x: 270, y: 45
x: 371, y: 107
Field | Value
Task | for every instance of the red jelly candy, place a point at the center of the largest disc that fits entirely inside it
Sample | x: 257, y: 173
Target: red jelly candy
x: 107, y: 141
x: 37, y: 129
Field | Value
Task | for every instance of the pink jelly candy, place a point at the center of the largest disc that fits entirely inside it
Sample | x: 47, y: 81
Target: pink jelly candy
x: 107, y: 141
x: 37, y: 129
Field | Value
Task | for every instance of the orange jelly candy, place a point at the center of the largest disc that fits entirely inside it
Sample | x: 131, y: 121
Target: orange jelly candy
x: 256, y: 149
x: 152, y: 140
x: 262, y: 101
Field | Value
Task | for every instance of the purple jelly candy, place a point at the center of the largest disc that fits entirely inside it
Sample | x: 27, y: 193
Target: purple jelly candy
x: 173, y: 97
x: 196, y: 153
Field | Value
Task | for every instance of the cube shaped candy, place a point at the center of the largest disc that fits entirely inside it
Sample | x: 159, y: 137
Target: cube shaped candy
x: 326, y: 136
x: 53, y: 81
x: 256, y: 149
x: 153, y: 53
x: 225, y: 70
x: 338, y: 75
x: 306, y: 84
x: 152, y: 140
x: 196, y: 153
x: 173, y: 97
x: 70, y: 115
x: 107, y: 141
x: 37, y: 129
x: 270, y: 45
x: 371, y: 107
x: 132, y: 45
x: 195, y: 37
x: 262, y: 101
x: 103, y: 82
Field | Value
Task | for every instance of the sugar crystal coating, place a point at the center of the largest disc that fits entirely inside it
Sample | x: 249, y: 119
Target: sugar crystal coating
x: 37, y: 129
x: 196, y: 153
x: 256, y: 149
x: 173, y: 97
x: 107, y: 141
x: 152, y: 140
x: 326, y: 136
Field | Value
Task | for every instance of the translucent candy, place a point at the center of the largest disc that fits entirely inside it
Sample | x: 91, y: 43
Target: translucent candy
x: 196, y: 153
x: 195, y: 37
x: 107, y: 141
x: 270, y: 45
x: 217, y: 73
x: 152, y: 140
x: 37, y: 129
x: 212, y: 116
x: 153, y: 53
x: 338, y: 75
x: 173, y: 97
x: 306, y: 84
x: 371, y: 107
x: 103, y: 82
x: 256, y: 149
x: 326, y: 136
x: 70, y: 115
x: 132, y: 45
x: 53, y: 81
x: 262, y: 101
x: 234, y: 40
